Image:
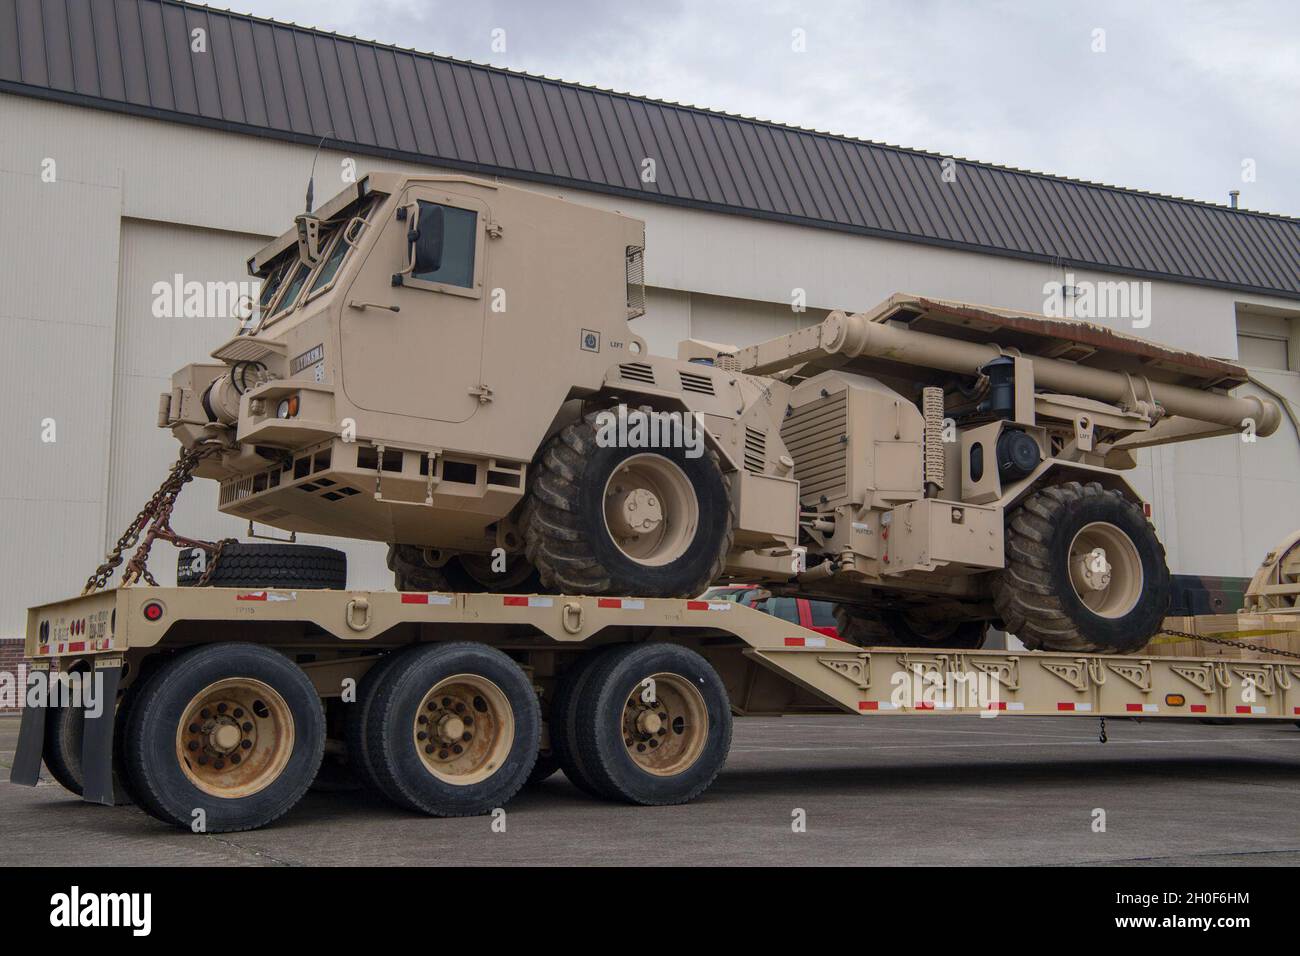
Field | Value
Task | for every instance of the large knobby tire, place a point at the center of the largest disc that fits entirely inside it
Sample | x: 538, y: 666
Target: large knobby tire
x: 235, y: 730
x: 658, y: 744
x: 474, y: 574
x: 455, y: 730
x: 301, y: 566
x: 881, y: 628
x: 1085, y: 572
x: 611, y: 520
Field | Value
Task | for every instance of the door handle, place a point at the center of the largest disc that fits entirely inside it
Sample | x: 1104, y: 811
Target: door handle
x: 354, y: 304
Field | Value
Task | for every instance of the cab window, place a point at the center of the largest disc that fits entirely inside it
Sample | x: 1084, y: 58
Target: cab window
x: 445, y: 245
x: 292, y: 289
x: 326, y: 270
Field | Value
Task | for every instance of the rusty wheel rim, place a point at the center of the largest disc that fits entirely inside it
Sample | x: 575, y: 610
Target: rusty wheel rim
x: 235, y: 737
x: 665, y: 724
x: 464, y: 729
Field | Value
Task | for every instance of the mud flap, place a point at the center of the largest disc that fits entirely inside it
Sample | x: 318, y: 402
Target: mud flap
x: 31, y: 733
x: 97, y: 742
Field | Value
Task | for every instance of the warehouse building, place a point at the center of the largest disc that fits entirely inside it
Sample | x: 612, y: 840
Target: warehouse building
x: 150, y: 144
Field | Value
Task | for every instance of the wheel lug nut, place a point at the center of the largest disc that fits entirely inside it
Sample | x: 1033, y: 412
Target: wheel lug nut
x: 203, y: 759
x: 219, y: 765
x: 205, y: 713
x: 221, y: 708
x: 246, y: 744
x: 422, y: 719
x: 468, y: 721
x: 429, y: 749
x: 234, y: 758
x: 467, y: 736
x: 432, y: 706
x: 239, y: 712
x: 247, y: 727
x: 193, y: 746
x: 446, y: 702
x: 457, y: 749
x: 194, y: 728
x: 422, y: 736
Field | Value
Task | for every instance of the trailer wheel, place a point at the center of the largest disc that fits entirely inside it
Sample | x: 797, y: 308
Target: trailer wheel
x: 1085, y: 572
x: 545, y: 768
x: 455, y: 731
x: 564, y: 721
x: 654, y: 724
x: 65, y: 731
x: 303, y: 566
x: 357, y: 722
x: 234, y: 730
x: 615, y: 520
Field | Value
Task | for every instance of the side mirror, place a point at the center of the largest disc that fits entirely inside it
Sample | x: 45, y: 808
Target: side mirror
x: 426, y: 238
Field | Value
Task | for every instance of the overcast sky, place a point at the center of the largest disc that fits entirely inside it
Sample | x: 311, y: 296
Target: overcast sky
x: 1152, y: 94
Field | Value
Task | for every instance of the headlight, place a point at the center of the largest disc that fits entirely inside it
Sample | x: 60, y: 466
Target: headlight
x: 288, y: 407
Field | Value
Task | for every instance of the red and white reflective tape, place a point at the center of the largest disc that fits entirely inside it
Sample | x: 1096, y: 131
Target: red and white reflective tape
x: 708, y: 605
x: 414, y: 598
x: 877, y: 705
x: 1202, y: 708
x: 1006, y: 705
x: 1142, y: 708
x: 267, y: 596
x: 805, y: 642
x: 1251, y: 709
x: 1072, y: 705
x: 621, y: 604
x: 1297, y: 710
x: 511, y: 600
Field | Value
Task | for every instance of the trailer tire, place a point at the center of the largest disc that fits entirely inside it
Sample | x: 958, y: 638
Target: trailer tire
x: 545, y: 768
x: 283, y: 725
x: 1049, y: 572
x: 302, y: 566
x: 577, y: 510
x: 564, y: 722
x: 65, y: 729
x: 668, y: 752
x: 448, y: 696
x: 357, y: 722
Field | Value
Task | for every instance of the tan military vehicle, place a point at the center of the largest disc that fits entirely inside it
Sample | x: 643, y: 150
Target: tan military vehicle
x: 446, y: 365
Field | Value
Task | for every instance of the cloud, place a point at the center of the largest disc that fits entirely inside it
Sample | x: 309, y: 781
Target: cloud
x: 1180, y: 96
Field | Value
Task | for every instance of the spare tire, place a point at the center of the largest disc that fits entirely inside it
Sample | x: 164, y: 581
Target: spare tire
x: 240, y: 565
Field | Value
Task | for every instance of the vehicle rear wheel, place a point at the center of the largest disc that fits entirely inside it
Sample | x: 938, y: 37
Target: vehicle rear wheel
x: 474, y: 573
x: 235, y: 730
x: 455, y: 730
x: 653, y: 724
x: 881, y: 628
x: 239, y: 565
x: 545, y: 768
x: 411, y: 572
x: 357, y: 721
x: 616, y: 520
x: 1084, y: 572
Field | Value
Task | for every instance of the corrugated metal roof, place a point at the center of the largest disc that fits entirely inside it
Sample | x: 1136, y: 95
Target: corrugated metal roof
x: 275, y: 79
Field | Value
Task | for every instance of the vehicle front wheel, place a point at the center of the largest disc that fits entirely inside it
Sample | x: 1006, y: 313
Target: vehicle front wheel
x: 608, y: 519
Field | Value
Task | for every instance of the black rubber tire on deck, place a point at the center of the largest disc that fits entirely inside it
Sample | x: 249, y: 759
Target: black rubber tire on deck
x: 599, y: 735
x: 161, y: 786
x: 567, y: 540
x: 1033, y: 594
x: 303, y: 566
x: 391, y: 742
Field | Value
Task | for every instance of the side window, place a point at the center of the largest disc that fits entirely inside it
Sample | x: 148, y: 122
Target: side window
x: 784, y: 608
x: 294, y: 287
x: 445, y: 247
x: 823, y: 614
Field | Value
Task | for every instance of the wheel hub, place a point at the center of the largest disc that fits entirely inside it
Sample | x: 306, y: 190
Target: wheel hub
x: 651, y: 511
x: 235, y: 737
x: 665, y: 735
x: 1105, y: 569
x: 1091, y: 571
x: 634, y: 512
x: 464, y: 729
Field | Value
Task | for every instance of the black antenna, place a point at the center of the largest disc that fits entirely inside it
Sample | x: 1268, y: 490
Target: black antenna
x: 311, y: 180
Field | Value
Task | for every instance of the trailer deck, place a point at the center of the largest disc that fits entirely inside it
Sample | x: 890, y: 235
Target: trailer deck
x: 768, y: 666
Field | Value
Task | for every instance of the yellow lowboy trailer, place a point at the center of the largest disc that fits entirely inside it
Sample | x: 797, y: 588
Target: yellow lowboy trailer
x: 226, y: 699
